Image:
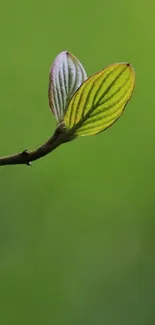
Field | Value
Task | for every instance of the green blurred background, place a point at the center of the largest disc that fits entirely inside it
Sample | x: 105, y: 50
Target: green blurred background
x: 77, y: 230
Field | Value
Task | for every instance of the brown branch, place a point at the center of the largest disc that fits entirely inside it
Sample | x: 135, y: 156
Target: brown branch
x: 26, y: 157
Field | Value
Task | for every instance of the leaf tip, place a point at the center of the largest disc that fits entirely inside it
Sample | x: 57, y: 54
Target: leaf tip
x: 132, y: 71
x: 131, y: 67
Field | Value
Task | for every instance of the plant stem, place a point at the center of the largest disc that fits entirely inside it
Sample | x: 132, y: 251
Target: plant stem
x: 26, y: 157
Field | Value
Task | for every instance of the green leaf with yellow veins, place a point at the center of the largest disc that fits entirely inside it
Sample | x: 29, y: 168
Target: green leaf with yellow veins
x: 100, y: 100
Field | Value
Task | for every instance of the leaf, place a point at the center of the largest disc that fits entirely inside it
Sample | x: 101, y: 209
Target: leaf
x: 100, y: 100
x: 66, y: 76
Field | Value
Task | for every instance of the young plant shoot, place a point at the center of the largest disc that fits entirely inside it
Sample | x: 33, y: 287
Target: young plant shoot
x: 82, y: 106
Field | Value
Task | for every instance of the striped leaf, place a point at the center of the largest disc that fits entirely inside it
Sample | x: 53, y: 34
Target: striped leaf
x: 66, y: 76
x: 100, y: 100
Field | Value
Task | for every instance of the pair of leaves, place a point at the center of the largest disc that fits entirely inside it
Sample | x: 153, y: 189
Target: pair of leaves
x: 88, y: 106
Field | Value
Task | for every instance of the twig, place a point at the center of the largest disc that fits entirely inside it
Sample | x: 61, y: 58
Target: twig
x: 26, y: 157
